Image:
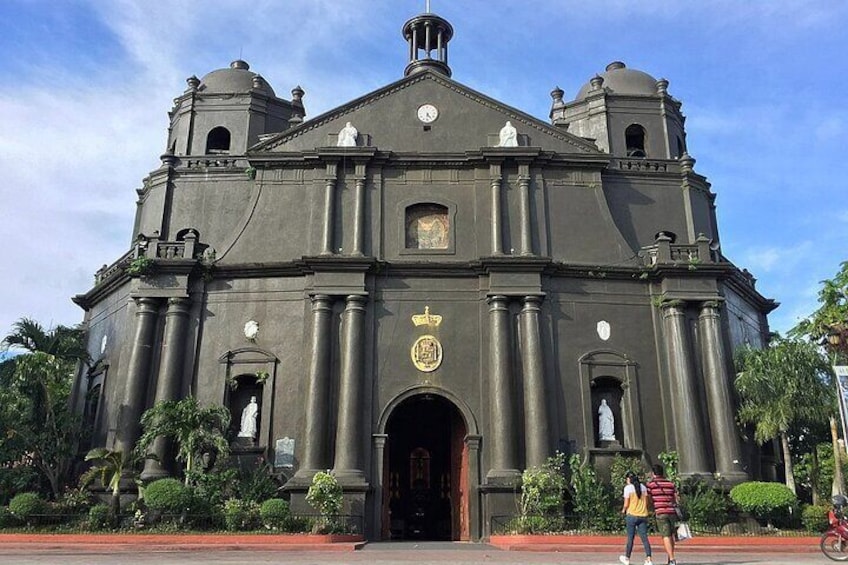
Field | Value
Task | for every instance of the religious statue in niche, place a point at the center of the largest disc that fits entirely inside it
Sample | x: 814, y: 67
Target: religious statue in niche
x: 606, y: 422
x: 427, y: 229
x: 347, y: 136
x: 508, y: 136
x: 248, y: 419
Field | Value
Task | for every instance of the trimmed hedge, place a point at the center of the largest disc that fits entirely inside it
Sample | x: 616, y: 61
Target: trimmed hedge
x: 27, y: 505
x: 168, y: 496
x: 765, y: 501
x: 275, y: 513
x: 814, y: 517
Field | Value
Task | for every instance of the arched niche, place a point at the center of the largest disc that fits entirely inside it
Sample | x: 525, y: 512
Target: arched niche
x: 247, y: 372
x: 612, y: 376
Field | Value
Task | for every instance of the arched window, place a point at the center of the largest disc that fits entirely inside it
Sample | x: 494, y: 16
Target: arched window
x: 634, y: 139
x: 427, y: 227
x: 218, y: 140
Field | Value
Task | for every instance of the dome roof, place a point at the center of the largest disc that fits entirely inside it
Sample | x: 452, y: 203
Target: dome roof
x: 618, y: 79
x: 236, y: 78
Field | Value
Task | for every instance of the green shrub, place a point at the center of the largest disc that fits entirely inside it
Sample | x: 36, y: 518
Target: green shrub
x: 536, y: 525
x: 814, y: 517
x: 100, y: 517
x: 26, y: 506
x: 619, y: 468
x: 764, y: 501
x: 168, y: 496
x: 257, y: 484
x: 543, y: 489
x: 275, y: 513
x: 591, y: 500
x: 241, y: 515
x: 708, y: 507
x: 7, y: 519
x: 325, y: 494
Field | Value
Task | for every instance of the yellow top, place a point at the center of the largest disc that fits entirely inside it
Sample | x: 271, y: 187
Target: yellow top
x: 636, y: 505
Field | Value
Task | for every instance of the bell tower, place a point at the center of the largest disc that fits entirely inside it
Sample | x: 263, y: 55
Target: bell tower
x: 427, y: 35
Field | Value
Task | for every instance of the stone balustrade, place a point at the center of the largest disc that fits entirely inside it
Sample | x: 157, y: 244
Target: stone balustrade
x: 153, y: 248
x: 663, y: 252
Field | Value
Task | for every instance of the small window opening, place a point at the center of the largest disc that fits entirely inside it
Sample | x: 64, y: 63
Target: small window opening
x: 218, y: 141
x: 634, y: 138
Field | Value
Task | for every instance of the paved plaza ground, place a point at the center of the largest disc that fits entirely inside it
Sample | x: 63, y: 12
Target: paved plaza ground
x: 383, y: 554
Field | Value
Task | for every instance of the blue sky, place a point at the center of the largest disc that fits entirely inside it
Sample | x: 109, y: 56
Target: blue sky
x: 85, y: 86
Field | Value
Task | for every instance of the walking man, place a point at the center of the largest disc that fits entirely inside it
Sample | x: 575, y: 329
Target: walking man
x: 664, y: 496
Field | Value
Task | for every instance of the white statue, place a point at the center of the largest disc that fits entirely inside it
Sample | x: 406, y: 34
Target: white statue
x: 508, y: 136
x: 248, y: 419
x: 347, y: 137
x: 606, y: 422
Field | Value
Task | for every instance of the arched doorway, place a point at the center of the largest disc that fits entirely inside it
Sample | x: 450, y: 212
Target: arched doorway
x: 425, y: 494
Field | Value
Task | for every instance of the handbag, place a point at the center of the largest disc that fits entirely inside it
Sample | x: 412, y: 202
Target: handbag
x: 684, y: 532
x: 681, y: 514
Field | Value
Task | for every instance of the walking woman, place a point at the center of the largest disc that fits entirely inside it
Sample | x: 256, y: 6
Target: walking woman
x: 635, y: 512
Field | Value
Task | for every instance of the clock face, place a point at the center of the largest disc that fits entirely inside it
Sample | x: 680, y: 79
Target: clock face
x: 428, y: 113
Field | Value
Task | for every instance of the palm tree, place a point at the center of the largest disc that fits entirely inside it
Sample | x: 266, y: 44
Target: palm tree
x: 787, y: 384
x: 194, y: 429
x: 111, y: 467
x: 36, y: 386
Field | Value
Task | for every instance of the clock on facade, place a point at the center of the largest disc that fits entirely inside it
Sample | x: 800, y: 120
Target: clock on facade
x: 428, y: 113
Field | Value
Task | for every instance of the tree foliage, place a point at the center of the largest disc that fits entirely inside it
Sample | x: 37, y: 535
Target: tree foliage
x: 786, y: 386
x: 40, y: 430
x: 832, y: 313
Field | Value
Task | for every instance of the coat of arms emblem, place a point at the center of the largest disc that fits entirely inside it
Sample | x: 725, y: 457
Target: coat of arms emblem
x: 426, y: 353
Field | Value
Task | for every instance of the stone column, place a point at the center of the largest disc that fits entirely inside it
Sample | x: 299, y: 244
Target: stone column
x: 504, y: 452
x: 349, y: 465
x: 472, y: 444
x: 138, y: 372
x: 689, y: 428
x: 537, y: 436
x: 329, y: 213
x: 359, y: 211
x: 524, y: 193
x: 377, y: 526
x: 726, y: 445
x: 170, y: 378
x: 318, y: 391
x: 497, y: 236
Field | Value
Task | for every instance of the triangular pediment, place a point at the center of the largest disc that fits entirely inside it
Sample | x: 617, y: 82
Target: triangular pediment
x: 387, y: 119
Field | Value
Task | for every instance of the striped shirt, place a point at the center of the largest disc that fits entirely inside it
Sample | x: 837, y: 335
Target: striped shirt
x: 663, y: 494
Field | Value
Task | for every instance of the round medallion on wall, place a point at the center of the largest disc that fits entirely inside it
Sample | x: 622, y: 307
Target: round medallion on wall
x: 428, y: 113
x: 426, y: 353
x: 604, y: 330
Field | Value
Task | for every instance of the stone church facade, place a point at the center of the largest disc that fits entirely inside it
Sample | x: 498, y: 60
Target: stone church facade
x: 426, y: 290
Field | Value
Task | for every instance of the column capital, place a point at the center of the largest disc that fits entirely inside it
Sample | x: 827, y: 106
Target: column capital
x: 497, y: 302
x: 673, y: 307
x: 379, y: 440
x: 711, y: 305
x: 179, y: 304
x: 321, y: 302
x: 473, y: 441
x: 533, y: 302
x: 146, y: 304
x: 356, y: 301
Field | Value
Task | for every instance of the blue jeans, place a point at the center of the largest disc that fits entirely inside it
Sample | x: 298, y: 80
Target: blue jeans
x: 636, y: 524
